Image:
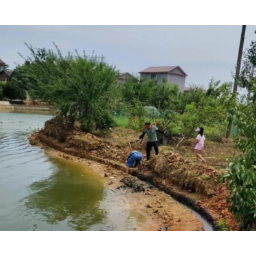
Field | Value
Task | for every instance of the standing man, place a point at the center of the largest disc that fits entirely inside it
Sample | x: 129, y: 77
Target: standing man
x: 150, y: 130
x: 134, y: 159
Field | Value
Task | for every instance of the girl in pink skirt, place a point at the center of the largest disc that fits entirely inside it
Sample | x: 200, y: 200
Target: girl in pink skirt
x: 199, y: 144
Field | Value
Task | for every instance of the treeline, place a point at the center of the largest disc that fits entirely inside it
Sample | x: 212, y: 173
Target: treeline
x: 85, y: 89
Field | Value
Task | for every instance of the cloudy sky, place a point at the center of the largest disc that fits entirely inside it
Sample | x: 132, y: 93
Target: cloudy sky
x: 203, y: 52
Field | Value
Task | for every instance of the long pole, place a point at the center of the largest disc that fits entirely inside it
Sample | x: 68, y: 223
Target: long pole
x: 238, y: 66
x: 239, y: 59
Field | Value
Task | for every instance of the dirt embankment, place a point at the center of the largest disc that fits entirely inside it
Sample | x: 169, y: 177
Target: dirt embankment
x: 192, y: 183
x: 26, y: 106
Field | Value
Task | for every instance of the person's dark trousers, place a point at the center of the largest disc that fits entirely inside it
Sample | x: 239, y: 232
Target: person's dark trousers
x: 149, y: 146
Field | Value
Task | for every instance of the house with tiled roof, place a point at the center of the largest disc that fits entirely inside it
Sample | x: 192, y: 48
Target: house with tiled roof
x: 2, y: 65
x: 172, y: 74
x: 122, y: 76
x: 5, y: 74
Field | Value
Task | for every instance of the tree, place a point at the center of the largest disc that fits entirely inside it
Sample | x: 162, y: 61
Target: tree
x: 200, y: 109
x: 20, y: 76
x: 13, y: 91
x: 165, y: 96
x: 185, y: 98
x: 241, y: 176
x: 161, y: 95
x: 79, y: 86
x: 138, y: 89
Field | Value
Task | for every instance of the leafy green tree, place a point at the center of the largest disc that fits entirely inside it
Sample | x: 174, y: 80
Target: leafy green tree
x: 161, y: 95
x: 165, y: 96
x: 208, y: 110
x: 185, y: 98
x: 139, y: 89
x: 79, y: 86
x: 23, y: 78
x: 13, y: 91
x: 241, y: 176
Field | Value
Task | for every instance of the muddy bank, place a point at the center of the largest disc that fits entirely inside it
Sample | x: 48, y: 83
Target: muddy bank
x: 190, y: 183
x: 156, y: 210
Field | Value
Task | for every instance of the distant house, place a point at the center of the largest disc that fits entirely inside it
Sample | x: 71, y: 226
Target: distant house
x: 2, y: 65
x: 187, y: 89
x: 5, y: 74
x: 122, y: 76
x: 172, y: 74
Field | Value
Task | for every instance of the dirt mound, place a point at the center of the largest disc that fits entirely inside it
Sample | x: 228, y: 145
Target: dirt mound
x: 56, y: 129
x: 85, y: 141
x: 194, y: 177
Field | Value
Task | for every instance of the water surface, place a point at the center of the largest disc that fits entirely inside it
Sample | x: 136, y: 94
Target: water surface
x: 40, y: 192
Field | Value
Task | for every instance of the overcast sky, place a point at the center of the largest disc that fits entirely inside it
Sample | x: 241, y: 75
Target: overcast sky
x: 203, y: 52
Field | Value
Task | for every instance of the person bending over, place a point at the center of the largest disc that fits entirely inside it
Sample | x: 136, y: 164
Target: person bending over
x: 134, y: 159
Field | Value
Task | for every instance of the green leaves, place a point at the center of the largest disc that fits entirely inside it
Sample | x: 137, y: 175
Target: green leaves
x: 11, y: 90
x: 150, y: 92
x: 79, y: 86
x: 241, y: 176
x: 198, y: 108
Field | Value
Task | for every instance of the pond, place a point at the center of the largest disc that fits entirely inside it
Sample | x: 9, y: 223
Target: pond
x: 40, y: 192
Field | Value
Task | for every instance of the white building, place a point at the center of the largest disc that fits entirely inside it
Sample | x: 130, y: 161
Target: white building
x: 172, y: 74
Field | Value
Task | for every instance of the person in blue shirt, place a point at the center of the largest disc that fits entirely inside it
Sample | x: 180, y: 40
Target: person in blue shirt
x: 134, y: 159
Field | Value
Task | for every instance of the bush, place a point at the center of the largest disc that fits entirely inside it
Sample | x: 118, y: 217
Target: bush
x: 100, y: 123
x: 216, y: 132
x: 13, y: 91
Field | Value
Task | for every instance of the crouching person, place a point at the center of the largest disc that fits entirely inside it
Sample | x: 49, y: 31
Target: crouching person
x: 134, y: 159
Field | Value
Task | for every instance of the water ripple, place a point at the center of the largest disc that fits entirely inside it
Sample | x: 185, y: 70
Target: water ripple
x: 41, y: 193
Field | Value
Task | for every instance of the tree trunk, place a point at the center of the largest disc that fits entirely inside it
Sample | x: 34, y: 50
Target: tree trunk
x: 238, y: 65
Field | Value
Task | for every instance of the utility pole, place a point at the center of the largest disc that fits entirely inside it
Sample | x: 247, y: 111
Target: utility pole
x: 238, y: 65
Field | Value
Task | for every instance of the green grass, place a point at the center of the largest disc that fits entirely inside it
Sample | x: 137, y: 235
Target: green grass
x: 122, y: 121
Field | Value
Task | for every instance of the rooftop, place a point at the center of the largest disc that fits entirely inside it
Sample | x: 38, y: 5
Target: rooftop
x: 164, y: 69
x: 7, y: 72
x: 2, y: 63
